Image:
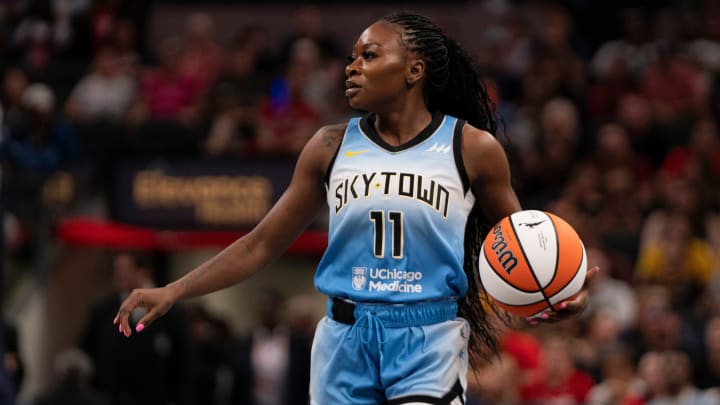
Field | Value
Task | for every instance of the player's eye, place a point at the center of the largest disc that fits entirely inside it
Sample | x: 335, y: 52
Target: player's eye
x: 367, y: 55
x: 351, y: 59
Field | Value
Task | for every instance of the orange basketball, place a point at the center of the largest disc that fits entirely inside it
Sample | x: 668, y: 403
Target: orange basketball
x: 530, y: 261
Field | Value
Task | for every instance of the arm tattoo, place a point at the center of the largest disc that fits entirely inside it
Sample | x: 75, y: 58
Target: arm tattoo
x: 332, y: 136
x: 330, y: 139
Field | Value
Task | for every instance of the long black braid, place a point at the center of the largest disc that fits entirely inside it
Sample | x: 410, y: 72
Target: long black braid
x: 453, y: 86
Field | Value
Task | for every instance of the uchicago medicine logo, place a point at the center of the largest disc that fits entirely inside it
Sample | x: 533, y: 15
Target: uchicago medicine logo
x: 386, y: 280
x: 359, y: 278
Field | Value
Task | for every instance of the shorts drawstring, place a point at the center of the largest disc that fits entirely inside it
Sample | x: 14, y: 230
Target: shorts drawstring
x: 372, y: 325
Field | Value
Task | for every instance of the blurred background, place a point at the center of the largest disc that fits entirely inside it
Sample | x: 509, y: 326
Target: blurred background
x: 140, y: 137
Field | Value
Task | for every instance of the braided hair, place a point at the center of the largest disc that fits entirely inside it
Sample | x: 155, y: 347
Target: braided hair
x: 453, y: 86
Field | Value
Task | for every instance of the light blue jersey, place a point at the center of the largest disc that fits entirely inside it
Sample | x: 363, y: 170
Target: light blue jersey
x: 397, y: 216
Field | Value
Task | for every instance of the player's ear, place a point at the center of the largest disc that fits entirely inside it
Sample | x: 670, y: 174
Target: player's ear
x: 415, y: 71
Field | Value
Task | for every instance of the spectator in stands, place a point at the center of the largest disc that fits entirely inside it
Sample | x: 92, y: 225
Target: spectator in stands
x: 42, y: 142
x: 699, y: 160
x: 598, y: 339
x: 659, y: 326
x: 524, y: 347
x: 497, y: 383
x: 672, y: 86
x: 321, y: 77
x: 125, y: 42
x: 255, y: 38
x: 560, y: 381
x: 210, y: 364
x: 679, y: 196
x: 39, y: 34
x: 651, y: 369
x: 681, y: 388
x: 635, y: 115
x: 309, y: 24
x: 627, y: 56
x: 202, y: 57
x: 152, y: 370
x: 579, y: 200
x: 40, y: 145
x: 15, y: 82
x: 286, y: 120
x: 613, y: 149
x: 548, y: 166
x: 609, y: 293
x: 677, y: 260
x: 166, y: 92
x: 620, y: 384
x: 233, y: 103
x: 557, y: 68
x: 616, y: 65
x: 103, y: 95
x: 707, y: 370
x: 167, y: 113
x: 73, y: 372
x: 626, y: 187
x: 272, y: 363
x: 13, y: 359
x: 618, y: 221
x: 98, y: 106
x: 103, y: 15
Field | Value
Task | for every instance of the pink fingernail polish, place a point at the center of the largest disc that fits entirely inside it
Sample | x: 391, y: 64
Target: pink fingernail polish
x: 544, y: 316
x: 120, y: 328
x: 115, y: 320
x: 533, y: 322
x: 563, y: 305
x: 139, y: 327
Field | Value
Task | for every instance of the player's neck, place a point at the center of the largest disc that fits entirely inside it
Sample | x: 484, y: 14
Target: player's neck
x: 399, y: 127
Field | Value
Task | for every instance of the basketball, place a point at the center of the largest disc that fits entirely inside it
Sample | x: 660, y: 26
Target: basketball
x: 531, y: 261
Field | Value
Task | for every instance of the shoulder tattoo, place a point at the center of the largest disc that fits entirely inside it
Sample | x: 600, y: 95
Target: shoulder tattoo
x: 332, y: 135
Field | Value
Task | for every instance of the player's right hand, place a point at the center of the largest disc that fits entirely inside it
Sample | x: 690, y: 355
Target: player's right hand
x: 157, y: 302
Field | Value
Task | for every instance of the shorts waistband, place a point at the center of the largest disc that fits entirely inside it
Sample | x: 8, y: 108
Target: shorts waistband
x: 393, y: 315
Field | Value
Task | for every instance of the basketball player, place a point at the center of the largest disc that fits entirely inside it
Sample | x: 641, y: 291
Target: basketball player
x: 411, y: 188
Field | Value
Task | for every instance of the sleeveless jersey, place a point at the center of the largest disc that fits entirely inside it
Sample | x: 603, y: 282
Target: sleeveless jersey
x: 397, y: 216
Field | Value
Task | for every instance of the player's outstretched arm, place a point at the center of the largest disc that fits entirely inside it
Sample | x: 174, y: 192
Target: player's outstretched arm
x: 293, y: 212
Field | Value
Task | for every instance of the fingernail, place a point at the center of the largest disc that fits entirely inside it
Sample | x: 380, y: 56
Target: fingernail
x: 533, y: 322
x: 544, y: 316
x: 115, y: 320
x: 563, y: 305
x: 139, y: 327
x: 120, y: 328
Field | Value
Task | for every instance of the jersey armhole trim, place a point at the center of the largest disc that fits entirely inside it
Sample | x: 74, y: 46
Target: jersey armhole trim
x: 334, y: 157
x: 457, y: 152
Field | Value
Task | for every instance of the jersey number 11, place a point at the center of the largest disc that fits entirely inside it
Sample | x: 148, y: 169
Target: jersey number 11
x: 396, y: 220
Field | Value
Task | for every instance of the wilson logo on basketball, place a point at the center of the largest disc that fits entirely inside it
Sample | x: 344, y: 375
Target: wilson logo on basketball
x: 505, y: 256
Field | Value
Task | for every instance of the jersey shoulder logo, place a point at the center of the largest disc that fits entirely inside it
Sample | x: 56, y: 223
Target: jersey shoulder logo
x: 440, y: 148
x: 352, y: 153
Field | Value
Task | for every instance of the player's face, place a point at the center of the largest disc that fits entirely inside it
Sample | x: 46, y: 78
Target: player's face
x: 377, y: 69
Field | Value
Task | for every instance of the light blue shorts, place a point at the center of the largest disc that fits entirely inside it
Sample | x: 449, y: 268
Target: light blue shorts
x: 391, y: 354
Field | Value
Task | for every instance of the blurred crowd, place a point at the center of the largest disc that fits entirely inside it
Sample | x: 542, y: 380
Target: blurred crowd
x: 614, y: 129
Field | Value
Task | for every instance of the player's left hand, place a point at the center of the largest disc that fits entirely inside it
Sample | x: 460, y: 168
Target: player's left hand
x: 569, y: 308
